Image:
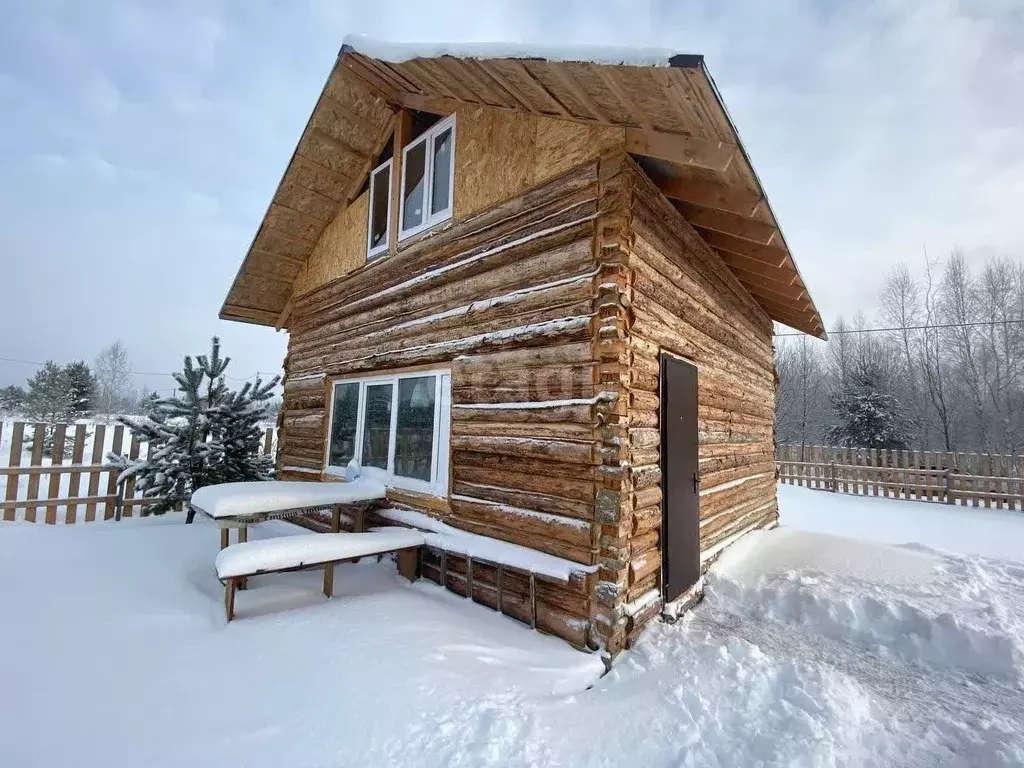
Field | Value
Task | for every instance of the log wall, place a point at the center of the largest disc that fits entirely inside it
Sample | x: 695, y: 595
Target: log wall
x: 507, y: 300
x: 534, y: 150
x: 558, y: 300
x: 681, y: 298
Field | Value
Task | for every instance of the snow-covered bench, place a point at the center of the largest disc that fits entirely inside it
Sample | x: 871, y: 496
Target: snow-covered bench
x: 313, y: 550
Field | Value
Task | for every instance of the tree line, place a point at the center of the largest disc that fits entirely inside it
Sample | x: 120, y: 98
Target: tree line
x: 946, y: 373
x: 64, y: 394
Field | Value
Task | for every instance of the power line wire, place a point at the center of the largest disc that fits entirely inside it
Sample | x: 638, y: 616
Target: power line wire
x: 137, y: 373
x: 938, y: 327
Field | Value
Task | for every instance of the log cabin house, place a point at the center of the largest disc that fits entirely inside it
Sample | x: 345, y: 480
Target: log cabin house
x: 535, y: 294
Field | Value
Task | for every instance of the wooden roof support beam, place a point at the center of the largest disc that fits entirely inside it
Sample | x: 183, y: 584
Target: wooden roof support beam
x: 742, y: 202
x: 337, y: 144
x: 279, y: 256
x: 338, y: 176
x: 433, y: 104
x: 315, y: 221
x: 679, y: 149
x: 728, y: 223
x: 362, y: 69
x: 249, y: 314
x: 782, y: 288
x: 768, y: 254
x: 638, y: 115
x: 287, y: 236
x: 565, y: 77
x: 800, y: 304
x: 285, y: 313
x: 781, y: 275
x: 473, y: 81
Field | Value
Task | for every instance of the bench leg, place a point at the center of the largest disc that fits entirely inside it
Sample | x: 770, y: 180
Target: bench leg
x: 224, y: 538
x: 243, y: 536
x: 408, y: 563
x: 229, y: 599
x: 329, y: 580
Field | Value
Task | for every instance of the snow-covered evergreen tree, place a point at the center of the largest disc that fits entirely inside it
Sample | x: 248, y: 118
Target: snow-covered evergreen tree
x: 204, y: 435
x: 81, y: 390
x: 870, y: 416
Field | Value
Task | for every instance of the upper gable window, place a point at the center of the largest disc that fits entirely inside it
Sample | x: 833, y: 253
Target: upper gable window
x: 380, y: 211
x: 428, y: 170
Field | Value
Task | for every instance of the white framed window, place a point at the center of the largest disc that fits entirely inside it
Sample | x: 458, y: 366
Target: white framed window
x: 428, y: 179
x: 379, y: 225
x: 396, y: 426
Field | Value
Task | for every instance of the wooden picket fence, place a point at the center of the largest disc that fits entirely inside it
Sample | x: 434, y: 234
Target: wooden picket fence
x: 969, y: 479
x: 92, y: 488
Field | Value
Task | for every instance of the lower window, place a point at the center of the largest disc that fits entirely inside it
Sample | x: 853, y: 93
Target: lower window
x: 396, y: 426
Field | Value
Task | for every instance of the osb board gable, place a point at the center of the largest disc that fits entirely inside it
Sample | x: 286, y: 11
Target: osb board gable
x: 498, y: 155
x: 340, y: 249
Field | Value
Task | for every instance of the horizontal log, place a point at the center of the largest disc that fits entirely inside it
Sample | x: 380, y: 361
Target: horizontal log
x: 568, y: 414
x: 578, y: 452
x: 559, y: 505
x: 524, y: 428
x: 581, y: 489
x: 517, y: 520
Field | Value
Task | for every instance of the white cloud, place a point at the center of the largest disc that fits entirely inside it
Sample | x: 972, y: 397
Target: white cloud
x: 157, y: 132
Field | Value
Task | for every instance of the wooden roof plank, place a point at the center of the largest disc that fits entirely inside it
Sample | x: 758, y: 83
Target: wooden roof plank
x: 769, y: 254
x: 721, y: 197
x: 607, y: 76
x: 503, y: 82
x: 362, y: 69
x: 475, y: 82
x: 780, y: 275
x: 679, y: 149
x: 565, y: 76
x: 727, y: 223
x: 540, y: 88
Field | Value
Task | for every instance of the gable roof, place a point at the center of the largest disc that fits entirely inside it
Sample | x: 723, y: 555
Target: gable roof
x: 672, y: 115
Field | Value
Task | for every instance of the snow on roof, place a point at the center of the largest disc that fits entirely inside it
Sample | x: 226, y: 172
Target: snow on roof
x: 257, y: 498
x: 280, y: 552
x: 596, y: 54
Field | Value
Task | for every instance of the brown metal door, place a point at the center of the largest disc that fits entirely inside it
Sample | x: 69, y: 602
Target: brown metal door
x: 680, y: 478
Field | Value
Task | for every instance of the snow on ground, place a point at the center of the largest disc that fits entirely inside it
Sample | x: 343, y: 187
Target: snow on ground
x: 992, y: 533
x: 808, y: 650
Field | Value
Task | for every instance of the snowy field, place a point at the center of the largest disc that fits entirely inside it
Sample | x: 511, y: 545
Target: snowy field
x: 808, y: 650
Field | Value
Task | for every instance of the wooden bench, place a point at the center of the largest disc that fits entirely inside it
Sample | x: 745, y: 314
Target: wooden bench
x: 238, y: 562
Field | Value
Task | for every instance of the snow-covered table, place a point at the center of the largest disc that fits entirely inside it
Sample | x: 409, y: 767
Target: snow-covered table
x: 239, y: 505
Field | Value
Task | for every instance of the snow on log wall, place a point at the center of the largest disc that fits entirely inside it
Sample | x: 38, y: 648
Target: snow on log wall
x: 507, y: 300
x: 685, y: 300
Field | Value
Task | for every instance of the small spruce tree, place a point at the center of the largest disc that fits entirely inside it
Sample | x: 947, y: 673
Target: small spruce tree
x: 206, y: 434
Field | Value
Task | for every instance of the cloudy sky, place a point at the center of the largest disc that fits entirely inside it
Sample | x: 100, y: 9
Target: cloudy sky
x: 140, y: 142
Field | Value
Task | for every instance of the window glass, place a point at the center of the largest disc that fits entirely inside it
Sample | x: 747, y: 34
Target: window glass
x: 380, y: 196
x: 377, y: 426
x: 414, y: 200
x: 414, y: 432
x: 343, y: 425
x: 441, y: 192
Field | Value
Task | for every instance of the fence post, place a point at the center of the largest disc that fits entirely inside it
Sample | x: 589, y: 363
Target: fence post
x: 119, y: 503
x: 949, y: 488
x: 832, y: 476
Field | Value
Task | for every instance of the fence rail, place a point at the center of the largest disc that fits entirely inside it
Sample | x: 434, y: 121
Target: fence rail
x: 967, y: 479
x: 72, y: 481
